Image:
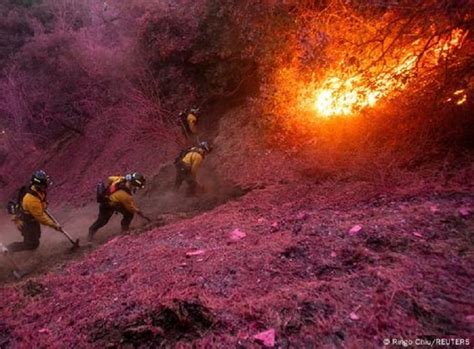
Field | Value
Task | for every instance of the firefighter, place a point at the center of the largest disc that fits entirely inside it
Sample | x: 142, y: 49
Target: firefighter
x: 31, y: 213
x: 187, y: 166
x: 117, y: 198
x: 189, y: 123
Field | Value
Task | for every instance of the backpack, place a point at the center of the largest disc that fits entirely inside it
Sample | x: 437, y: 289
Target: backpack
x: 181, y: 155
x: 103, y: 192
x: 14, y: 205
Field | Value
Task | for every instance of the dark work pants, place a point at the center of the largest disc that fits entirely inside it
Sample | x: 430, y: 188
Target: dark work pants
x: 105, y: 213
x: 191, y: 138
x: 31, y: 232
x: 184, y: 174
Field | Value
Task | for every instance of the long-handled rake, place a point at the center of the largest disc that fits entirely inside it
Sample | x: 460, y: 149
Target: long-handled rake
x: 75, y: 243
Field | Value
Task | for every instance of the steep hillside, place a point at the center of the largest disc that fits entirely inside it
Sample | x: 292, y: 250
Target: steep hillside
x: 261, y: 250
x: 337, y: 208
x: 295, y: 269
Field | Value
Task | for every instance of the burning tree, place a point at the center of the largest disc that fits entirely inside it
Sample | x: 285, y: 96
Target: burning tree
x: 377, y: 62
x: 333, y: 74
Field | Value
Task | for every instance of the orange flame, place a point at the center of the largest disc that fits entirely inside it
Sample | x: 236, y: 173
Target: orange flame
x: 345, y: 96
x: 445, y: 47
x: 459, y: 97
x: 462, y: 100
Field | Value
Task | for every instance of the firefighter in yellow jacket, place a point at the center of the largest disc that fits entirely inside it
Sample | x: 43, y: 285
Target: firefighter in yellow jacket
x: 187, y: 166
x: 189, y: 122
x: 117, y: 197
x: 31, y: 213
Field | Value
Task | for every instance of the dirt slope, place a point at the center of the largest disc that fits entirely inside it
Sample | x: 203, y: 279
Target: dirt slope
x: 158, y: 201
x: 406, y: 273
x: 297, y: 271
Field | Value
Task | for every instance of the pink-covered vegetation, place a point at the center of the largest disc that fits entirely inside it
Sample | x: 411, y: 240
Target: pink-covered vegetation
x: 297, y: 271
x: 332, y: 233
x: 87, y: 77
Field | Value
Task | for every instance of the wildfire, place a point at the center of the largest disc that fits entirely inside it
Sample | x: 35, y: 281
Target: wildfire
x: 459, y: 97
x: 462, y: 100
x: 446, y: 46
x: 347, y: 95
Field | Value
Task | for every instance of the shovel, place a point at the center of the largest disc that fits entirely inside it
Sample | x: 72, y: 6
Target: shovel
x: 75, y: 243
x: 17, y: 272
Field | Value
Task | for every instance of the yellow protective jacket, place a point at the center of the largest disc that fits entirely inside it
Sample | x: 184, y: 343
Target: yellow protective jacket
x: 35, y: 205
x: 191, y: 119
x: 193, y: 159
x: 121, y: 197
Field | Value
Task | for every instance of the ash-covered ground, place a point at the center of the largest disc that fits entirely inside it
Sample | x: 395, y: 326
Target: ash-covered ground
x: 321, y: 267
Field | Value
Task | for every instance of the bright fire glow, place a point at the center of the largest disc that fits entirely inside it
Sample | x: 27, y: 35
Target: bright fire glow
x: 462, y: 100
x: 443, y: 49
x: 347, y: 95
x: 459, y: 97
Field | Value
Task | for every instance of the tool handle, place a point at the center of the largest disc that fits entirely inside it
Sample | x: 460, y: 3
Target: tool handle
x: 184, y: 128
x: 144, y: 217
x: 51, y: 216
x: 61, y: 229
x: 69, y: 237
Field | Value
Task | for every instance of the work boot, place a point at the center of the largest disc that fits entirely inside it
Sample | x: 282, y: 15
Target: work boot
x: 3, y: 248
